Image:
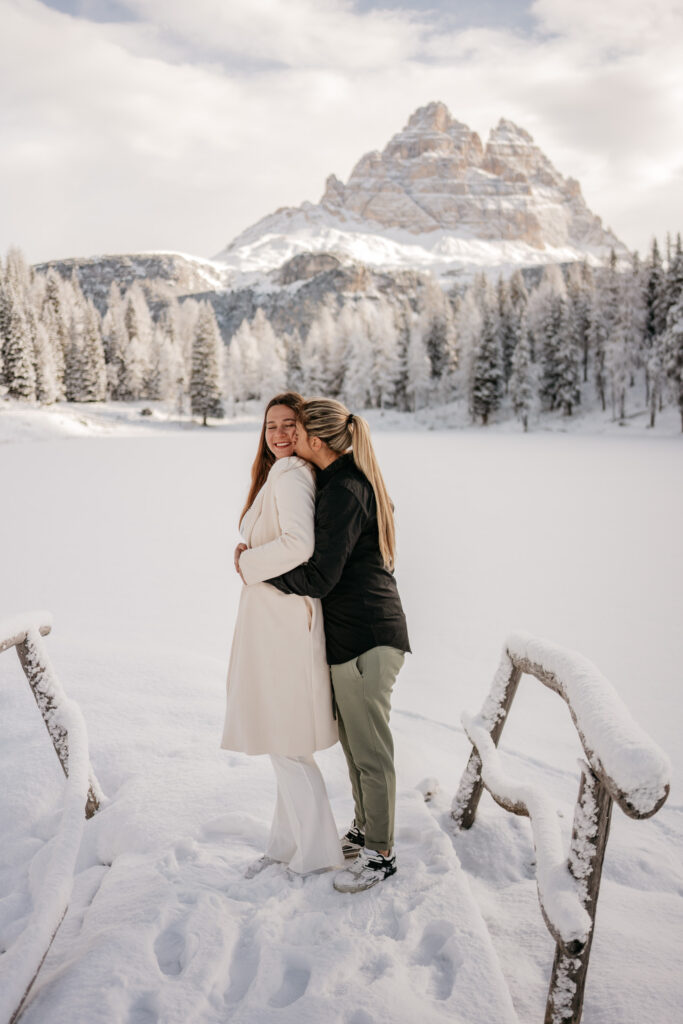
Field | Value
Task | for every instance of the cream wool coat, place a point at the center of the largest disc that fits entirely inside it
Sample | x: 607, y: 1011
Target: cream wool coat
x: 279, y: 692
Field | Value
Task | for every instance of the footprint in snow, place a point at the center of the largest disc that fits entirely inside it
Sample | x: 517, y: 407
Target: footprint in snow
x: 144, y: 1011
x: 294, y: 983
x: 243, y: 969
x: 169, y: 948
x: 430, y: 953
x: 360, y: 1017
x: 374, y: 967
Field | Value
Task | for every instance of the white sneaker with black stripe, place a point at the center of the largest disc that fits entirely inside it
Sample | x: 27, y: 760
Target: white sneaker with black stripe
x: 369, y: 869
x: 352, y: 841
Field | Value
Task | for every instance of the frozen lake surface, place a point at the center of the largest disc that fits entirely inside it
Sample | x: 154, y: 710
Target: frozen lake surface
x: 128, y: 541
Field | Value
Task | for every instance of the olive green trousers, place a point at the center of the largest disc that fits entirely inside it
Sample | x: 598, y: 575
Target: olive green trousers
x: 362, y: 693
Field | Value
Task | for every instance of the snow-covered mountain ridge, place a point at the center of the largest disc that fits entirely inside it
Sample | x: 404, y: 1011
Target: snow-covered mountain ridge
x: 436, y: 199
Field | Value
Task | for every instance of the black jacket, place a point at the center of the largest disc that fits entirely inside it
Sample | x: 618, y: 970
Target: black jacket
x: 360, y: 600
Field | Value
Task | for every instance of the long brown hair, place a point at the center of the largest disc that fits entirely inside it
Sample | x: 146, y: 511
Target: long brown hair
x: 332, y: 422
x: 264, y: 457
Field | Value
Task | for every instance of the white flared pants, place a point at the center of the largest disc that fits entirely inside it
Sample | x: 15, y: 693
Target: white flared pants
x: 303, y: 834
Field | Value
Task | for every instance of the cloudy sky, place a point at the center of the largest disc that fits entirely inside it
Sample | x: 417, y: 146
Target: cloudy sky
x: 130, y: 125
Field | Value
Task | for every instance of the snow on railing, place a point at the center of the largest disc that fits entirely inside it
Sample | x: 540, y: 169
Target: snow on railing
x: 20, y: 964
x: 622, y: 764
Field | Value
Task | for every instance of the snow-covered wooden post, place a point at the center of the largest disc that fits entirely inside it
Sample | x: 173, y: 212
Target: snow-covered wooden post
x: 592, y: 818
x: 622, y: 764
x: 26, y: 637
x: 64, y: 722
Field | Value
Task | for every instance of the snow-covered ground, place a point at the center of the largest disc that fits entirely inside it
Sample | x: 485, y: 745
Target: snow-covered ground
x: 128, y: 540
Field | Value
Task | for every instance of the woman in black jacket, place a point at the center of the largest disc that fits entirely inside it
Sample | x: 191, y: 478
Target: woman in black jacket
x: 351, y: 570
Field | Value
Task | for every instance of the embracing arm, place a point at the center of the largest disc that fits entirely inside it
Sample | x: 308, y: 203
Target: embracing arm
x: 339, y: 519
x: 295, y: 500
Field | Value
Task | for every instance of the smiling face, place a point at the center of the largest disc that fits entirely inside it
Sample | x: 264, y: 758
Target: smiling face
x: 281, y: 431
x: 303, y: 445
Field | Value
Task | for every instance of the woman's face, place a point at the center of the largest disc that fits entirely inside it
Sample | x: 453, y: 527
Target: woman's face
x: 281, y: 430
x: 303, y: 445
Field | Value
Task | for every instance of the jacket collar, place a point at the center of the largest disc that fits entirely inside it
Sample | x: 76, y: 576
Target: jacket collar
x: 323, y: 476
x: 284, y: 465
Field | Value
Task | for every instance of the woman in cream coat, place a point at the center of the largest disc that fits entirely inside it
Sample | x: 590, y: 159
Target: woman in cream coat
x: 278, y: 692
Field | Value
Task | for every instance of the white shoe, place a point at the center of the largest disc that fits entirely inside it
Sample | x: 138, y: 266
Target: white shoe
x: 257, y: 866
x: 369, y: 869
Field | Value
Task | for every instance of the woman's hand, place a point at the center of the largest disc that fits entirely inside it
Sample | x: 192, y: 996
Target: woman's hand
x: 238, y: 551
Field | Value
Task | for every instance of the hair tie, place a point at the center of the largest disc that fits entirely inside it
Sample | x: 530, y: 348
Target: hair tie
x: 349, y: 420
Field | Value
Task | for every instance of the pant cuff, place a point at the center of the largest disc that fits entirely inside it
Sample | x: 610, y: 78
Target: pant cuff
x: 378, y: 844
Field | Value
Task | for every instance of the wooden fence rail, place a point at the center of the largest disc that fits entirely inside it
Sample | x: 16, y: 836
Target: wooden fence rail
x: 591, y: 701
x: 51, y: 701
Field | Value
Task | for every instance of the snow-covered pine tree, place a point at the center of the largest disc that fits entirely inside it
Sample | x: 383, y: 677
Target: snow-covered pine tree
x: 186, y: 321
x: 597, y: 340
x: 487, y: 371
x: 439, y: 335
x: 315, y: 360
x: 232, y: 375
x: 655, y: 300
x: 272, y: 372
x: 674, y: 276
x: 656, y: 374
x: 207, y: 371
x: 18, y: 274
x: 404, y: 319
x: 507, y: 327
x: 93, y: 370
x: 18, y: 357
x: 55, y: 316
x: 137, y: 357
x: 468, y: 327
x: 558, y: 357
x: 293, y: 361
x: 568, y: 362
x: 324, y: 347
x: 172, y: 368
x: 115, y: 343
x: 418, y: 366
x: 673, y: 351
x: 356, y: 385
x: 47, y: 387
x: 386, y: 364
x: 542, y: 308
x: 345, y: 322
x: 579, y: 291
x: 523, y: 380
x: 244, y: 364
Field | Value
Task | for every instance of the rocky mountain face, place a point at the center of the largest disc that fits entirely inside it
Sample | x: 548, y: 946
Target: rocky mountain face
x: 435, y: 201
x: 436, y: 174
x: 435, y: 178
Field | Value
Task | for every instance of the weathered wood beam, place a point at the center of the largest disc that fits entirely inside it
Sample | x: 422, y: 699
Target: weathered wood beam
x: 20, y: 637
x: 471, y: 785
x: 586, y: 855
x: 37, y: 672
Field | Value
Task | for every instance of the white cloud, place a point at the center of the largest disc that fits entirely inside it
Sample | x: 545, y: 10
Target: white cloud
x: 180, y: 129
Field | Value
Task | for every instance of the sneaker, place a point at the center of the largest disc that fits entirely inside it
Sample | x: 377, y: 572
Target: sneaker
x: 369, y: 869
x: 352, y: 842
x: 257, y: 866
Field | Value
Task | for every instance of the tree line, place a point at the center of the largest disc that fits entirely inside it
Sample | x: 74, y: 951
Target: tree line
x: 55, y: 346
x: 498, y: 345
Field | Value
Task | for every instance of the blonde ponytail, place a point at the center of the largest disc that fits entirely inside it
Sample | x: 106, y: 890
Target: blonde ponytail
x: 340, y: 430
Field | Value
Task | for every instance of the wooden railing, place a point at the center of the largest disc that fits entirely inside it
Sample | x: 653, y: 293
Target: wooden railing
x: 25, y: 956
x: 41, y: 679
x: 622, y: 764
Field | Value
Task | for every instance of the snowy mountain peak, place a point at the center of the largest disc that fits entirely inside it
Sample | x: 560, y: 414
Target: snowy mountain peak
x: 436, y: 197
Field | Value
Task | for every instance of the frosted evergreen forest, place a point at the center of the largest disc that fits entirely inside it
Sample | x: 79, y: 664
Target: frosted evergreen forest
x: 580, y: 336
